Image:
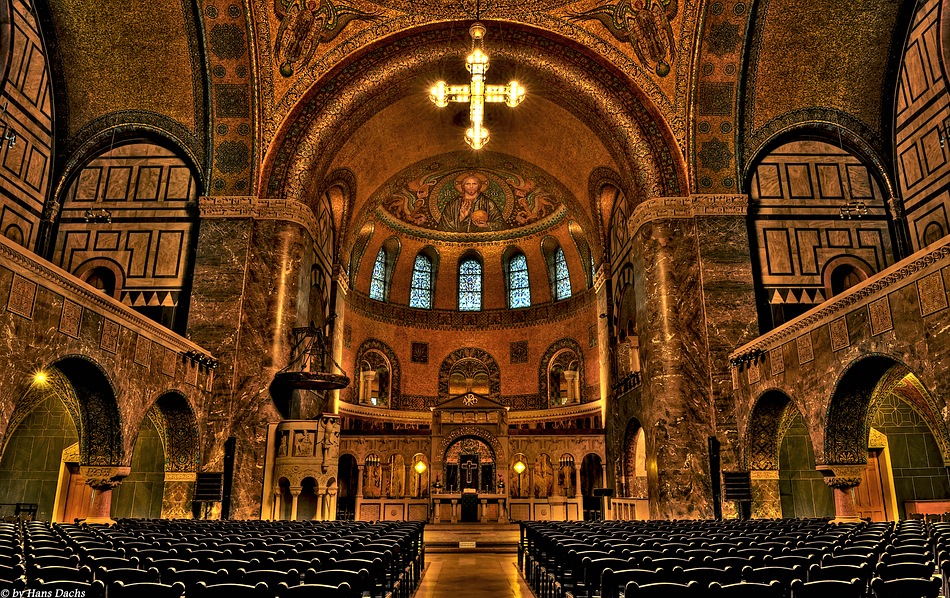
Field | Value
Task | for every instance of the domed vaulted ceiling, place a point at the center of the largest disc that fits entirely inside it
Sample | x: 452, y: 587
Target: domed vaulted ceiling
x: 237, y: 84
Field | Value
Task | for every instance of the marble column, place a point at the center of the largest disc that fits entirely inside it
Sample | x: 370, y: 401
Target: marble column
x: 329, y: 513
x: 694, y: 305
x: 295, y: 494
x: 766, y: 496
x: 250, y: 264
x: 843, y: 479
x: 675, y: 387
x: 102, y: 480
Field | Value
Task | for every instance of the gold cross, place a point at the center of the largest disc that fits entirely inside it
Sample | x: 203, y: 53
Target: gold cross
x: 477, y: 92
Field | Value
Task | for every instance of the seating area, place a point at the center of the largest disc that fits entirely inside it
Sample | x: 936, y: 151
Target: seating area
x: 237, y: 559
x: 785, y: 558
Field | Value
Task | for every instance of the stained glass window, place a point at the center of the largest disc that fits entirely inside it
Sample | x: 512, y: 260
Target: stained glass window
x: 470, y: 285
x: 420, y: 291
x: 519, y: 293
x: 377, y: 286
x: 561, y: 276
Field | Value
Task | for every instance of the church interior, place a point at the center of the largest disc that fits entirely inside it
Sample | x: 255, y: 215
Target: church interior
x: 478, y: 261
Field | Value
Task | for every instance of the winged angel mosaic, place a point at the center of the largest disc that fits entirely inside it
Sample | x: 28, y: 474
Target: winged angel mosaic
x: 645, y: 24
x: 305, y: 24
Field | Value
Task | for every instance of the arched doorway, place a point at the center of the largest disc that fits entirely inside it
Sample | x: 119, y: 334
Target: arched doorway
x: 592, y: 478
x: 469, y: 463
x: 349, y: 486
x: 634, y: 482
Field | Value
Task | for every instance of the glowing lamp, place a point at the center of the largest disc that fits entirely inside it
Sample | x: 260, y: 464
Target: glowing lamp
x: 420, y: 467
x: 519, y: 467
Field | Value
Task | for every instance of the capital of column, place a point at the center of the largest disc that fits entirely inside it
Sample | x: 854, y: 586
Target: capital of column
x: 104, y: 477
x: 697, y: 204
x: 841, y: 477
x: 259, y: 209
x: 296, y: 490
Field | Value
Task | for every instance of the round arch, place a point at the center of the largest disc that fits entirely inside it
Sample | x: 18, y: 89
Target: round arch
x: 617, y: 110
x: 101, y: 440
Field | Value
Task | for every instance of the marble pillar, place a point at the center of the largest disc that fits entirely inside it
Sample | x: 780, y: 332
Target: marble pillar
x: 295, y: 494
x: 102, y: 480
x: 843, y: 479
x: 249, y: 276
x: 178, y: 494
x: 695, y: 304
x: 676, y: 378
x: 766, y: 495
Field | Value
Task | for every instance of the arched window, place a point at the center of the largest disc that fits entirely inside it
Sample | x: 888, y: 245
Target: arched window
x: 377, y: 286
x: 470, y: 284
x: 421, y: 288
x: 562, y: 278
x: 519, y: 291
x: 382, y: 277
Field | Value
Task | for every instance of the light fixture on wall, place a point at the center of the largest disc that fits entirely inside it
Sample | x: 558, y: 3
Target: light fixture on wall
x: 853, y: 209
x: 477, y: 93
x: 97, y: 215
x: 9, y: 134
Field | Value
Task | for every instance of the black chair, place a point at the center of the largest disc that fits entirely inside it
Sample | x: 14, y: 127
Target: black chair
x: 663, y: 590
x: 905, y: 588
x: 905, y: 571
x: 191, y: 577
x: 94, y: 589
x: 232, y: 590
x: 746, y: 590
x: 315, y: 590
x: 862, y: 572
x: 127, y: 575
x: 55, y: 573
x: 827, y: 588
x: 121, y: 589
x: 272, y: 577
x: 356, y: 580
x: 707, y: 575
x: 615, y: 582
x: 232, y: 565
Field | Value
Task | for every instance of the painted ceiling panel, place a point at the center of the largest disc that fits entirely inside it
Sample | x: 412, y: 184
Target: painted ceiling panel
x: 825, y: 53
x: 125, y: 56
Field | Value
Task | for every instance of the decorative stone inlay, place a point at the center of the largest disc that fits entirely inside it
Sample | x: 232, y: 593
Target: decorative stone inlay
x: 181, y: 476
x: 806, y: 351
x: 22, y: 296
x: 142, y: 348
x: 879, y: 314
x: 839, y: 334
x: 841, y: 477
x: 932, y: 294
x: 754, y: 372
x: 777, y: 361
x: 660, y: 208
x: 70, y: 319
x: 764, y: 474
x: 259, y: 209
x: 109, y: 340
x: 169, y: 362
x: 191, y: 373
x: 932, y: 288
x: 104, y: 477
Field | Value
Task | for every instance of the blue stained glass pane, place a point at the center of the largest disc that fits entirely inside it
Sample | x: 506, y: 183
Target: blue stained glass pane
x: 420, y: 291
x: 561, y: 275
x: 377, y: 286
x: 519, y: 291
x: 470, y: 285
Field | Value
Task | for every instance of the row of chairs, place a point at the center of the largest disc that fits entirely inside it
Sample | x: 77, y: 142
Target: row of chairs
x: 610, y: 559
x: 355, y: 558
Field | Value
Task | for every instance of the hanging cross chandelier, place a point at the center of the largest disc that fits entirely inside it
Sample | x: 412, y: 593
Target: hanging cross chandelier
x: 476, y: 92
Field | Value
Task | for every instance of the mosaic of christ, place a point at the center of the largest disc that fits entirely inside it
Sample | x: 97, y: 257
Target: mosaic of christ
x: 471, y: 200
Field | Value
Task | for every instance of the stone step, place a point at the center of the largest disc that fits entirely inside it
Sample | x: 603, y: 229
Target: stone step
x: 472, y: 538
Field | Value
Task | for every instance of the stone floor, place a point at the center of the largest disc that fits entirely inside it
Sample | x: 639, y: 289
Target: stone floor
x: 464, y: 575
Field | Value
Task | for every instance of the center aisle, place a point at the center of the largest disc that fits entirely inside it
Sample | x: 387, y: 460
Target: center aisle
x: 462, y: 575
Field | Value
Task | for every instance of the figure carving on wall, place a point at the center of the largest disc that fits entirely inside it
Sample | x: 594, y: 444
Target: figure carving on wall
x: 305, y: 24
x: 543, y: 477
x: 645, y: 24
x: 282, y: 449
x: 303, y: 446
x: 331, y: 439
x: 472, y: 210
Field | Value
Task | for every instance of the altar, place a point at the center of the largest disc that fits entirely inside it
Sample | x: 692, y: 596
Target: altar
x: 462, y: 507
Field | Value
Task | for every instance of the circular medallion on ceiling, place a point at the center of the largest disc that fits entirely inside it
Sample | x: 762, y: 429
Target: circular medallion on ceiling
x: 454, y: 197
